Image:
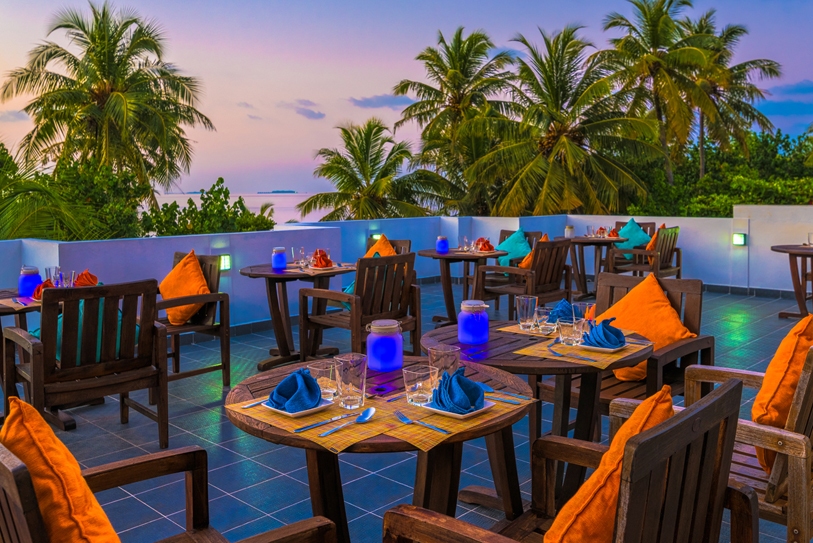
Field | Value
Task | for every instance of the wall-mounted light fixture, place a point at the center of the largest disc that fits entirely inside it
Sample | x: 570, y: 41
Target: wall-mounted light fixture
x: 376, y: 236
x: 225, y: 262
x: 739, y: 239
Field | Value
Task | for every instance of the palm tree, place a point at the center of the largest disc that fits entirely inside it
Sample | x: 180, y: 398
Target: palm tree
x: 563, y: 154
x: 366, y: 176
x: 117, y: 100
x: 730, y: 88
x: 653, y: 64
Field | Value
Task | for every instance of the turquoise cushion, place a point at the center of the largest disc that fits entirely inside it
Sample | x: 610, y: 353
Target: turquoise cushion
x: 515, y: 245
x: 349, y: 290
x: 635, y: 236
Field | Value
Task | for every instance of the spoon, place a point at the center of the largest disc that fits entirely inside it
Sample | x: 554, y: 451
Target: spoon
x: 490, y: 390
x: 365, y: 416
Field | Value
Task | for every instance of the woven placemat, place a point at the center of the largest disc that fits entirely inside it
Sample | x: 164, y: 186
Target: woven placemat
x: 597, y: 359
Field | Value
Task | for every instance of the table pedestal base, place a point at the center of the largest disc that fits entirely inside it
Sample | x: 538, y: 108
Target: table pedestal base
x: 278, y: 359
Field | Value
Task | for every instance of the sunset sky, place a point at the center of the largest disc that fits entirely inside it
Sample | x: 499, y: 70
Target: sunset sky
x: 279, y: 76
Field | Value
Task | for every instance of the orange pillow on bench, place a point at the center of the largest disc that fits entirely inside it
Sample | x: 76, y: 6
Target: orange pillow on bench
x: 772, y: 403
x: 590, y: 514
x: 646, y: 310
x: 529, y: 258
x: 69, y: 509
x: 185, y: 279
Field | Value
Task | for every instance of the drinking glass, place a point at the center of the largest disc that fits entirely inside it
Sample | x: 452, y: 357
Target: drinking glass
x: 52, y: 273
x: 591, y: 231
x: 420, y: 382
x: 352, y: 380
x: 462, y: 243
x: 526, y: 308
x: 326, y: 373
x: 327, y: 253
x: 302, y: 256
x: 584, y: 308
x: 542, y: 314
x: 570, y: 331
x: 810, y: 238
x: 444, y: 358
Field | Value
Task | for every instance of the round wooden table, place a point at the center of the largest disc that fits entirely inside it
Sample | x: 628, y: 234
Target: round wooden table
x: 446, y: 261
x: 801, y: 273
x: 20, y: 321
x: 579, y: 266
x: 277, y: 293
x: 438, y: 473
x: 499, y: 352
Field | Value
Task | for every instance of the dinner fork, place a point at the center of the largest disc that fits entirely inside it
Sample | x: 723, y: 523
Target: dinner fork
x: 406, y: 420
x: 554, y: 353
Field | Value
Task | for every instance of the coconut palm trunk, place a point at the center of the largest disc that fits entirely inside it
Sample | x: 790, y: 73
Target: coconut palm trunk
x: 667, y: 163
x: 701, y: 142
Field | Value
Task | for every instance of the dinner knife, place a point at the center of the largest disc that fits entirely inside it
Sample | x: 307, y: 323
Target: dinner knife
x: 316, y: 425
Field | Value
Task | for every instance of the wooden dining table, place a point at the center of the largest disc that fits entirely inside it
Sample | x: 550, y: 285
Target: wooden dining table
x: 437, y: 476
x: 500, y: 352
x: 276, y: 287
x: 579, y: 265
x: 800, y: 258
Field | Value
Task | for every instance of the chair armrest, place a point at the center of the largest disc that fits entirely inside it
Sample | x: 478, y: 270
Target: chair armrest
x: 482, y: 270
x: 743, y: 503
x: 565, y: 449
x: 325, y: 294
x: 640, y: 252
x: 22, y: 338
x: 190, y: 300
x: 407, y: 522
x: 312, y: 530
x: 681, y: 348
x: 708, y: 374
x: 515, y: 261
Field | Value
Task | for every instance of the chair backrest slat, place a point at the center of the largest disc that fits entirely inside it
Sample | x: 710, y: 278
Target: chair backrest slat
x: 530, y: 237
x: 649, y: 227
x: 549, y: 262
x: 383, y: 285
x: 210, y: 266
x: 129, y: 316
x: 20, y: 517
x: 110, y: 312
x: 70, y: 335
x: 680, y: 465
x: 666, y: 244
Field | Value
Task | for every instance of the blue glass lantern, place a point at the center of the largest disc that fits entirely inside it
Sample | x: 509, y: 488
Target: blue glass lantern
x: 385, y: 346
x: 442, y: 245
x: 472, y: 322
x: 29, y: 280
x: 278, y: 259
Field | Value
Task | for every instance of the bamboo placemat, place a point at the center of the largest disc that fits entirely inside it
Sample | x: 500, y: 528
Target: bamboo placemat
x: 599, y: 360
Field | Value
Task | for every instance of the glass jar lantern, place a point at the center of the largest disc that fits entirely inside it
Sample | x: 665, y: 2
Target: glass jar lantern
x: 29, y: 280
x: 442, y: 245
x: 279, y: 261
x: 385, y: 346
x: 472, y: 323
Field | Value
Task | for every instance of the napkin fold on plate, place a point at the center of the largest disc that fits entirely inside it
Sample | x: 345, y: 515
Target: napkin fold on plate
x: 297, y: 392
x: 38, y: 291
x: 564, y: 311
x: 320, y: 259
x: 86, y: 279
x: 613, y: 233
x: 604, y: 335
x: 457, y: 394
x: 483, y: 245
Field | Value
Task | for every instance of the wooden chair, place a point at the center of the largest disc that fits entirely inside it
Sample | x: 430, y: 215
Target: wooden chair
x: 400, y: 246
x: 21, y: 520
x: 78, y: 377
x: 204, y: 321
x: 674, y: 486
x: 784, y: 495
x: 686, y: 297
x: 665, y: 261
x: 385, y: 289
x: 496, y: 278
x: 543, y: 279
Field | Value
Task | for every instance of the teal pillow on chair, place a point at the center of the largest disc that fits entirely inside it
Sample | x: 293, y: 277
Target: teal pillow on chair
x: 515, y: 245
x: 349, y: 290
x: 635, y: 236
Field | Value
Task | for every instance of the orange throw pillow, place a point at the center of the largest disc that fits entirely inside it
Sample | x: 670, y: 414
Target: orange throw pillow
x: 185, y: 279
x: 652, y: 245
x: 590, y: 514
x: 382, y: 247
x: 69, y: 509
x: 646, y: 310
x: 772, y: 403
x: 526, y: 262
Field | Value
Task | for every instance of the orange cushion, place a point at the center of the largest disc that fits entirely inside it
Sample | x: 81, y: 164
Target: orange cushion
x: 646, y: 310
x: 526, y: 262
x: 185, y: 279
x: 590, y: 514
x: 654, y: 242
x: 382, y: 247
x: 70, y: 510
x: 772, y: 403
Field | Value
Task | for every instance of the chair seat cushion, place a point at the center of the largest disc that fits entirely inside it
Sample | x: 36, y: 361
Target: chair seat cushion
x: 590, y: 514
x: 69, y: 509
x: 185, y: 279
x: 635, y: 236
x: 772, y: 403
x: 515, y: 245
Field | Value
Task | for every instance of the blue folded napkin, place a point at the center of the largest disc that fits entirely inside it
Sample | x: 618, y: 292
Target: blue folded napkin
x: 564, y: 311
x: 456, y: 394
x: 297, y: 392
x: 604, y: 335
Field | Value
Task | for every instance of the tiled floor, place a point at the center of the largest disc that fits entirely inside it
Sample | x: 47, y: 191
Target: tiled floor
x: 256, y: 486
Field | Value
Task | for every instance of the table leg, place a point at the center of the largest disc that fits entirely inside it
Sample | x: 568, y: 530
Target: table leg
x: 586, y: 420
x: 561, y: 419
x: 437, y: 478
x: 597, y: 265
x: 535, y: 414
x: 579, y: 270
x: 798, y: 290
x: 325, y: 482
x: 448, y: 294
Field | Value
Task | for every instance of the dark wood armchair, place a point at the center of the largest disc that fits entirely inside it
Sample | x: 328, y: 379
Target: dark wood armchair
x: 496, y: 278
x: 649, y: 227
x: 113, y: 354
x: 666, y: 260
x: 386, y: 288
x: 22, y: 522
x: 543, y: 279
x: 204, y: 321
x: 674, y: 486
x: 666, y: 366
x: 400, y: 246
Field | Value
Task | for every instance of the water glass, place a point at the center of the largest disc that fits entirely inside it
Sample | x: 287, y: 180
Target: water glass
x: 462, y: 243
x: 326, y: 373
x: 420, y: 382
x: 542, y: 315
x: 444, y: 358
x: 526, y: 309
x: 810, y: 238
x: 352, y: 380
x: 302, y: 257
x: 570, y: 331
x: 591, y: 231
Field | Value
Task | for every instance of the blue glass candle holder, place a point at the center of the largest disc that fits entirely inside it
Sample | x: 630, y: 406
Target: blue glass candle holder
x: 29, y: 280
x: 442, y: 245
x: 385, y: 346
x: 278, y: 259
x: 472, y: 323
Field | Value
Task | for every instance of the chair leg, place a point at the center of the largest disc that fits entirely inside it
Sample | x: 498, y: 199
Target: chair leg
x: 497, y: 303
x: 176, y: 353
x: 511, y: 305
x: 799, y: 499
x: 152, y: 396
x: 225, y: 356
x: 124, y: 409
